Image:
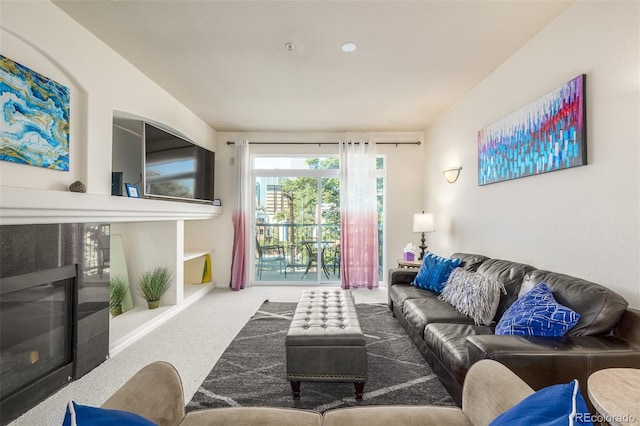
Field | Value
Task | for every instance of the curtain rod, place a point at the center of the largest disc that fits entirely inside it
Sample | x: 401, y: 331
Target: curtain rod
x: 325, y: 143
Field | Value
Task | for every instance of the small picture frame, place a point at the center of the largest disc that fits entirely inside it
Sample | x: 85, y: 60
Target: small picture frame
x: 217, y: 202
x: 132, y: 190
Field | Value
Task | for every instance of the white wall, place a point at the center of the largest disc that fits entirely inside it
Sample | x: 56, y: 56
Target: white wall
x: 583, y: 221
x: 102, y: 84
x: 40, y: 36
x: 404, y: 186
x: 126, y: 155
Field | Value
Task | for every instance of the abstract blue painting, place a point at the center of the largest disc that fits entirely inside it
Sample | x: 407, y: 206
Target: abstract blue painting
x: 546, y: 135
x: 34, y: 120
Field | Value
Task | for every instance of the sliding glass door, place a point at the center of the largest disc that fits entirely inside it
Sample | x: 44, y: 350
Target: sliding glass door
x: 297, y: 220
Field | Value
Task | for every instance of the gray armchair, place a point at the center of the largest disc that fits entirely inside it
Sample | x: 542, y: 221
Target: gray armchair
x: 155, y: 392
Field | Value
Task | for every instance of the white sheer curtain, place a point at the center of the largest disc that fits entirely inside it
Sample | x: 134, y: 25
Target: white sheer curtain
x: 358, y: 215
x: 240, y: 216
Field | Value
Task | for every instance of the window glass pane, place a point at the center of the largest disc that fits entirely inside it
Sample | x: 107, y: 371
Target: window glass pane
x: 297, y: 219
x: 380, y: 208
x: 295, y: 163
x: 330, y: 227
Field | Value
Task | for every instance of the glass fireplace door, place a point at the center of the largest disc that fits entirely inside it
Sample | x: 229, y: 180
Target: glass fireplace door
x: 35, y: 320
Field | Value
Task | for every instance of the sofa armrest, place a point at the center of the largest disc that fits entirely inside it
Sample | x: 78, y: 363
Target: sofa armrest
x: 401, y: 276
x: 489, y: 390
x: 155, y: 392
x: 544, y: 361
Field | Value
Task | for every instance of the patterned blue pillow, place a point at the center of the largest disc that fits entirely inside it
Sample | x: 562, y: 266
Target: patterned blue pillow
x: 537, y: 313
x: 557, y: 405
x: 434, y: 272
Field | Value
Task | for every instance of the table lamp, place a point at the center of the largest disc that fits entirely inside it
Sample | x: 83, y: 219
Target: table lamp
x: 423, y: 222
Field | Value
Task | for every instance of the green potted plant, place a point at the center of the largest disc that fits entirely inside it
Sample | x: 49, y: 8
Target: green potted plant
x: 152, y: 285
x: 117, y: 292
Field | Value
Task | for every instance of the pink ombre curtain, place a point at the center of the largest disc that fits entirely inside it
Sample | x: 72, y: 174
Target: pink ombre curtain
x: 358, y: 216
x: 240, y: 217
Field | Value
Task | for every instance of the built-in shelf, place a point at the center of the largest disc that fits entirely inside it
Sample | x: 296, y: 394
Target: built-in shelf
x: 181, y: 245
x: 194, y: 266
x: 191, y: 290
x: 195, y: 253
x: 142, y: 224
x: 132, y: 325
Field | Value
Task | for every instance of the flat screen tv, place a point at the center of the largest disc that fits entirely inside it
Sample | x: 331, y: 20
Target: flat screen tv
x: 175, y: 168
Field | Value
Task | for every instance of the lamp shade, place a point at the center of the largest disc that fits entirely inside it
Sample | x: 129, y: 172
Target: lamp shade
x: 451, y: 174
x: 423, y: 222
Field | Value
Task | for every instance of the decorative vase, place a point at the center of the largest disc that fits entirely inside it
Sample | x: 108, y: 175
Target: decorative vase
x: 153, y: 304
x: 116, y: 311
x: 77, y: 186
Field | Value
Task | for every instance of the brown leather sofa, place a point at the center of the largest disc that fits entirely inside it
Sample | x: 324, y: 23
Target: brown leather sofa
x: 607, y: 334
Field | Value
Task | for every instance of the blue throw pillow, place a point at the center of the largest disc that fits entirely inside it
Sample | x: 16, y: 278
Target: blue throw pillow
x: 434, y: 272
x: 557, y: 405
x: 536, y: 313
x: 83, y: 415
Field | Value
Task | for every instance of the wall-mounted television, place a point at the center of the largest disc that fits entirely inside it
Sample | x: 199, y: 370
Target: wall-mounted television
x: 176, y: 168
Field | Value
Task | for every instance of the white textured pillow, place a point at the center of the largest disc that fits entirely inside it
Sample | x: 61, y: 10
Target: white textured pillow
x: 473, y: 295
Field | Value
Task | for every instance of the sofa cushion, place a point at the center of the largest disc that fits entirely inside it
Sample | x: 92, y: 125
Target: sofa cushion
x: 434, y: 272
x: 470, y: 262
x: 396, y: 415
x: 253, y: 416
x: 420, y: 312
x: 600, y: 308
x: 473, y: 295
x: 555, y: 405
x: 510, y: 274
x: 400, y: 293
x: 537, y: 313
x: 448, y: 343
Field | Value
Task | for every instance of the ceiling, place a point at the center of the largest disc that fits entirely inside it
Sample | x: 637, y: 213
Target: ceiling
x: 227, y: 60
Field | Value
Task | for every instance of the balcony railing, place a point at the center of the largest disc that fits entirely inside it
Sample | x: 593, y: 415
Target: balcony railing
x: 286, y: 252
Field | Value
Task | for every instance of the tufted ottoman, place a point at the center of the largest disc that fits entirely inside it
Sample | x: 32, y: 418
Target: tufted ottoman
x: 325, y: 342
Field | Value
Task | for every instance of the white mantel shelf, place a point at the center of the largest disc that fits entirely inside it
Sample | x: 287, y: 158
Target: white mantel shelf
x: 20, y: 206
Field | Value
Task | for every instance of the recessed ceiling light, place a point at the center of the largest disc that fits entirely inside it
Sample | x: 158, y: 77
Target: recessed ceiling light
x: 348, y: 47
x: 289, y: 46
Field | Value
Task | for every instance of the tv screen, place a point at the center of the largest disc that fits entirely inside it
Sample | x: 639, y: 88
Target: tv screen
x: 176, y: 168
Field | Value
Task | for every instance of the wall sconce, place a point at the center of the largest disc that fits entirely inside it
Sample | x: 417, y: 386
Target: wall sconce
x: 451, y: 174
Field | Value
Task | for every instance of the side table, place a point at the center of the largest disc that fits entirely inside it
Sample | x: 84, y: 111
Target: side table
x: 411, y: 264
x: 614, y: 393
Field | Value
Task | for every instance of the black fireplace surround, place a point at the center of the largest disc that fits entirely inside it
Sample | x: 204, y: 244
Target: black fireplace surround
x: 54, y: 309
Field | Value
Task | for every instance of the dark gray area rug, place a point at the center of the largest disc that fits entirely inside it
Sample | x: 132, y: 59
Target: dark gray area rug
x: 252, y: 370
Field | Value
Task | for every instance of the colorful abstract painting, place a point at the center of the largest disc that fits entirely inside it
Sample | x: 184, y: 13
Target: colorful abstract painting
x: 547, y: 135
x: 34, y: 121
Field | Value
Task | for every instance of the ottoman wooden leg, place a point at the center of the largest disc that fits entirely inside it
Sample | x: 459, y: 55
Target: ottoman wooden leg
x: 359, y: 390
x: 295, y: 387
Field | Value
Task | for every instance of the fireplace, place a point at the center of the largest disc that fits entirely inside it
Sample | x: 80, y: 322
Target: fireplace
x: 54, y: 321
